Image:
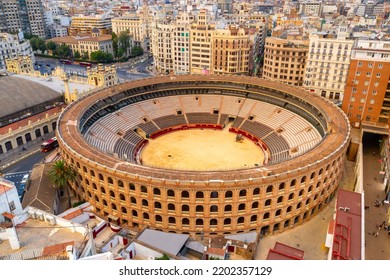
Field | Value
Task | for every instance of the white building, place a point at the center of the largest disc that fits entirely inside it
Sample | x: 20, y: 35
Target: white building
x: 11, y: 47
x: 310, y: 8
x: 9, y: 199
x: 327, y: 65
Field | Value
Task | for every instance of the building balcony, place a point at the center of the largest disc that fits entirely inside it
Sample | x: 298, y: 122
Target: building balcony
x: 376, y: 127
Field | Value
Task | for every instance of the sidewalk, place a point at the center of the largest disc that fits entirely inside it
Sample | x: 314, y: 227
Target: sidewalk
x: 377, y: 248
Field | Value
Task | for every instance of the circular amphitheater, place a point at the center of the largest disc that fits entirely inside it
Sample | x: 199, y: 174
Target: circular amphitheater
x: 205, y: 155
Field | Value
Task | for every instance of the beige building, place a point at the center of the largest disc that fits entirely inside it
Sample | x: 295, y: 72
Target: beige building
x: 20, y: 65
x: 86, y: 44
x: 12, y: 47
x: 285, y: 60
x: 136, y: 25
x: 201, y: 44
x: 231, y: 48
x: 85, y: 24
x: 102, y: 76
x: 170, y: 45
x: 327, y: 65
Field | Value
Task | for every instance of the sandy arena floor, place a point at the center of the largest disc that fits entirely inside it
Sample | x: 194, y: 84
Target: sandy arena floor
x: 201, y: 150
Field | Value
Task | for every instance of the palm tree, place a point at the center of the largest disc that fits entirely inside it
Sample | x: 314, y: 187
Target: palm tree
x: 60, y: 175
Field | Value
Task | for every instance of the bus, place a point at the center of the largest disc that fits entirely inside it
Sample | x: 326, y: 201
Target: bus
x: 49, y: 145
x: 65, y: 61
x: 86, y: 64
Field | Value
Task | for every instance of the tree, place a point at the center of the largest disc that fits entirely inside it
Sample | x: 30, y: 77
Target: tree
x: 36, y: 43
x: 124, y: 41
x: 61, y: 175
x: 163, y: 257
x: 85, y: 55
x: 51, y: 46
x: 137, y: 50
x: 76, y: 55
x: 42, y: 46
x: 100, y: 56
x: 63, y: 51
x: 115, y: 44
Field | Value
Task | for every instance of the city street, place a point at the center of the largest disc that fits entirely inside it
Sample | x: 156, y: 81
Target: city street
x: 135, y: 68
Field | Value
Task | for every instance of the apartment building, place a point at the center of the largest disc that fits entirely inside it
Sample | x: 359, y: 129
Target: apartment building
x: 327, y: 65
x: 22, y: 15
x: 367, y: 91
x: 11, y: 47
x: 162, y: 47
x: 201, y: 44
x: 285, y: 60
x: 231, y: 48
x: 85, y: 24
x: 36, y: 18
x: 139, y: 26
x: 310, y: 8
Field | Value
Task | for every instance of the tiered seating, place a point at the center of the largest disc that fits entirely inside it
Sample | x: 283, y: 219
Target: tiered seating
x: 160, y: 107
x: 202, y: 118
x: 148, y: 127
x: 102, y: 138
x: 132, y: 137
x: 237, y: 122
x: 256, y: 129
x: 200, y: 103
x: 275, y: 143
x: 124, y: 149
x: 170, y: 121
x: 223, y: 118
x: 231, y: 105
x: 132, y: 115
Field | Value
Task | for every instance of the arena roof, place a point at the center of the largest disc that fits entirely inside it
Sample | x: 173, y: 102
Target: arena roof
x: 18, y: 94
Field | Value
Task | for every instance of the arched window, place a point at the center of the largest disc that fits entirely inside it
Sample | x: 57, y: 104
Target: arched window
x: 146, y: 216
x: 133, y: 200
x: 255, y: 205
x: 293, y: 183
x: 171, y: 207
x: 185, y: 208
x: 278, y: 212
x: 170, y: 193
x: 267, y: 202
x: 228, y: 208
x: 289, y: 209
x: 214, y: 195
x: 240, y: 220
x: 242, y: 193
x: 256, y: 191
x: 158, y: 218
x: 199, y: 222
x: 227, y: 221
x: 185, y: 221
x: 241, y: 207
x: 112, y: 194
x: 185, y: 194
x: 254, y: 218
x: 280, y: 199
x: 213, y: 208
x: 303, y: 179
x: 131, y: 186
x: 171, y: 220
x: 156, y: 191
x: 269, y: 189
x: 266, y: 216
x: 157, y: 205
x: 123, y: 210
x: 145, y: 203
x: 199, y: 195
x: 120, y: 184
x: 199, y: 208
x: 281, y: 186
x: 110, y: 181
x: 144, y: 189
x: 228, y: 194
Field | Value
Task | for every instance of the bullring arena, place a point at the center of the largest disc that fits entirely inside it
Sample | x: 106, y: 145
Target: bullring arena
x: 205, y: 155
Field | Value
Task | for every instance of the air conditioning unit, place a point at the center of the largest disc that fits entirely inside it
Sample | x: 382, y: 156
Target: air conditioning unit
x: 51, y: 220
x: 31, y: 214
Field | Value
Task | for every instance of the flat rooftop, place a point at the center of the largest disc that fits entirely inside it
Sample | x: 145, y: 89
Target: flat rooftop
x: 37, y: 237
x: 56, y: 83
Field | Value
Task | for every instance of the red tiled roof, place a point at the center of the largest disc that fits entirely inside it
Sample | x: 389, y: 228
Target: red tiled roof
x: 73, y: 214
x: 284, y: 252
x: 56, y: 249
x: 347, y: 236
